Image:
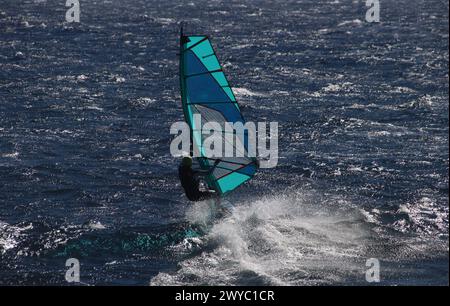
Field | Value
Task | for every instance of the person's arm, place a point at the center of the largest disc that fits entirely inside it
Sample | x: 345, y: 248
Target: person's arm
x: 201, y: 172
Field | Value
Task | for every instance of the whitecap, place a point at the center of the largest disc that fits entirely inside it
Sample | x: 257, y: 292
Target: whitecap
x: 94, y: 107
x: 350, y: 22
x: 14, y: 155
x: 82, y: 77
x: 246, y: 92
x: 165, y: 21
x: 96, y: 225
x: 119, y: 79
x: 378, y: 133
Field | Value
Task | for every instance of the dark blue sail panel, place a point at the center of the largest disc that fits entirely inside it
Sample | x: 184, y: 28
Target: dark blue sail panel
x: 204, y: 89
x: 193, y: 64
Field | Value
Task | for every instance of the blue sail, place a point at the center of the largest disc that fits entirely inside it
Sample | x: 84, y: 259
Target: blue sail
x: 205, y: 91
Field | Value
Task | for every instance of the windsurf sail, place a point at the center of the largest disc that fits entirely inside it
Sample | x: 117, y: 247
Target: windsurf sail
x: 205, y: 91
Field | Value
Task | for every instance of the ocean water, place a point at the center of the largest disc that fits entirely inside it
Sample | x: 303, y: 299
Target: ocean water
x: 86, y: 172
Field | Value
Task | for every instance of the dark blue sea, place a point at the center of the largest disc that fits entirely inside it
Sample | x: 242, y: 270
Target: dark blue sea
x: 363, y: 113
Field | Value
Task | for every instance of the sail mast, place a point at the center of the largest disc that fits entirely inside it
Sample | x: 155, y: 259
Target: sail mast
x: 183, y: 40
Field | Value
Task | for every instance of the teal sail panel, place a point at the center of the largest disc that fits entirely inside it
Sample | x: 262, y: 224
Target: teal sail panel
x: 206, y: 91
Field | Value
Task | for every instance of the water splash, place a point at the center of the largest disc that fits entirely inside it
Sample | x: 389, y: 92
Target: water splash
x: 276, y: 241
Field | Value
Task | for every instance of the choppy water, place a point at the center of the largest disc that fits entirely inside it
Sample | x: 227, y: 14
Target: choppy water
x: 85, y: 169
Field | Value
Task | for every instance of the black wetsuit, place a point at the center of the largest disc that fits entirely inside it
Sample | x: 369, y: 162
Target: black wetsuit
x: 191, y: 184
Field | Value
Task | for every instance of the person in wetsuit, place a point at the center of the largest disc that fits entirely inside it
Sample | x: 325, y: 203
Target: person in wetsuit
x: 190, y: 180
